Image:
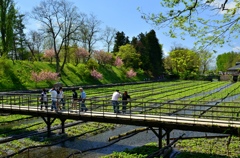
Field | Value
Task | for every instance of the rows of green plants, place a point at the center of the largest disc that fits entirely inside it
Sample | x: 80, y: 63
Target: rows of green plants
x: 16, y: 145
x: 194, y: 148
x: 150, y: 91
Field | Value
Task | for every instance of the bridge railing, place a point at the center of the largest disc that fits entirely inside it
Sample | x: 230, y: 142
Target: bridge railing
x: 210, y: 110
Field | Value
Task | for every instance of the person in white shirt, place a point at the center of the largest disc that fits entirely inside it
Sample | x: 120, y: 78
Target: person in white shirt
x: 115, y: 102
x: 53, y: 98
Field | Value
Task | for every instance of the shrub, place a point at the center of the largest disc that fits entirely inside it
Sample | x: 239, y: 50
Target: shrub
x: 118, y: 62
x: 96, y: 74
x: 131, y: 73
x: 92, y: 64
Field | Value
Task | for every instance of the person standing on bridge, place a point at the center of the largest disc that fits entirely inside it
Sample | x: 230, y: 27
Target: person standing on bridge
x: 82, y: 99
x: 43, y: 98
x: 62, y: 101
x: 53, y: 98
x: 115, y: 102
x: 74, y: 99
x: 125, y: 98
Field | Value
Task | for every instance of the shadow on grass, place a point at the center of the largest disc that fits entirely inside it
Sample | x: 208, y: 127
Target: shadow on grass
x: 15, y: 80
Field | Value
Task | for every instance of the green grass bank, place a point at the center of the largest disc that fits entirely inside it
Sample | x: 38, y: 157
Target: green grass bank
x: 17, y: 75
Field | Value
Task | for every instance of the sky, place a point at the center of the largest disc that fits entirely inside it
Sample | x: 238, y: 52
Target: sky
x: 123, y: 16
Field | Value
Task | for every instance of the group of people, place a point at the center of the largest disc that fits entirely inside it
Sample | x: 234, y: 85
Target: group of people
x: 58, y: 102
x: 57, y: 98
x: 115, y: 103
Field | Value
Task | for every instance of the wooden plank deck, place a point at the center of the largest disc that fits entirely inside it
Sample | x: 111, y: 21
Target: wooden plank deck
x: 169, y: 122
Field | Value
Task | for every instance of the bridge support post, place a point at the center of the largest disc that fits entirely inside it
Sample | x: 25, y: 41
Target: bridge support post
x: 62, y: 123
x: 48, y: 122
x: 160, y: 138
x: 168, y: 135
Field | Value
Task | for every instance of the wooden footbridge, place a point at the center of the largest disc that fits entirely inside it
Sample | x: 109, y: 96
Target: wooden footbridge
x: 164, y: 115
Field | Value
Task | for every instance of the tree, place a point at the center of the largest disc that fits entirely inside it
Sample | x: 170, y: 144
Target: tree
x: 102, y: 57
x: 108, y: 36
x: 35, y: 43
x: 118, y: 62
x: 8, y: 17
x: 19, y: 38
x: 155, y: 53
x: 227, y: 60
x: 210, y: 21
x: 129, y: 56
x: 89, y: 33
x: 140, y: 45
x: 206, y: 59
x: 49, y: 54
x: 131, y: 73
x: 60, y: 20
x: 81, y: 53
x: 120, y: 40
x: 184, y: 63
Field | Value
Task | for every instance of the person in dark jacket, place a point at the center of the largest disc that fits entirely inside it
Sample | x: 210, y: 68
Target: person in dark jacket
x: 125, y: 98
x: 74, y: 99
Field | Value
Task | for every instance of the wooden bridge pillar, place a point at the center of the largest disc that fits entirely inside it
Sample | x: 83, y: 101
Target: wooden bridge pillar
x: 168, y: 135
x: 62, y: 123
x: 48, y: 122
x: 160, y: 135
x: 160, y: 138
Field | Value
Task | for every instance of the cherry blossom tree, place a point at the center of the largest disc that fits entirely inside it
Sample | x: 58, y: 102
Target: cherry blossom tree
x: 35, y: 77
x: 81, y: 53
x: 131, y: 73
x: 44, y: 75
x: 96, y: 74
x: 102, y: 57
x: 49, y: 54
x: 118, y: 62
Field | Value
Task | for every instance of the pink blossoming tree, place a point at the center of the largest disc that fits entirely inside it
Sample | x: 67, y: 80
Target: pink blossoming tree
x: 102, y: 57
x: 131, y: 73
x: 49, y: 54
x: 81, y: 54
x: 96, y: 74
x: 44, y: 75
x: 118, y: 62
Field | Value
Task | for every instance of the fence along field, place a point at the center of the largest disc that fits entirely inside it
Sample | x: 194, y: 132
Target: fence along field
x: 179, y: 94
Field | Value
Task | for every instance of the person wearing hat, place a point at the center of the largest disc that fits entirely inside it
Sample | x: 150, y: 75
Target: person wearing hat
x: 115, y: 102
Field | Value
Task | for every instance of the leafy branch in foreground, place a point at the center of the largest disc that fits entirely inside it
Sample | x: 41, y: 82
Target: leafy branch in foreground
x: 210, y: 22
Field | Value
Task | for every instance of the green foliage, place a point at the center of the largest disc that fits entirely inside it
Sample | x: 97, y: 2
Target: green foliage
x: 120, y: 40
x: 92, y: 64
x: 227, y: 60
x: 184, y: 63
x: 129, y: 56
x: 82, y: 70
x: 17, y: 76
x: 209, y: 22
x: 138, y: 152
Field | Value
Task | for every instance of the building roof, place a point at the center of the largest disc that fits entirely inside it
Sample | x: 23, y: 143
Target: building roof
x: 234, y: 68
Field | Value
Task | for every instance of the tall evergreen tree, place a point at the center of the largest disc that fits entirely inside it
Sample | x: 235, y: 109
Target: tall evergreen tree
x: 155, y: 54
x: 140, y: 46
x: 120, y: 40
x: 7, y: 18
x: 19, y: 36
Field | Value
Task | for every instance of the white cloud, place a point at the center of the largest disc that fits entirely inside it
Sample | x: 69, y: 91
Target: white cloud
x: 229, y: 5
x: 236, y: 49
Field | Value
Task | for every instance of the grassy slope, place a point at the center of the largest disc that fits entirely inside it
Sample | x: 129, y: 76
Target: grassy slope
x: 17, y: 75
